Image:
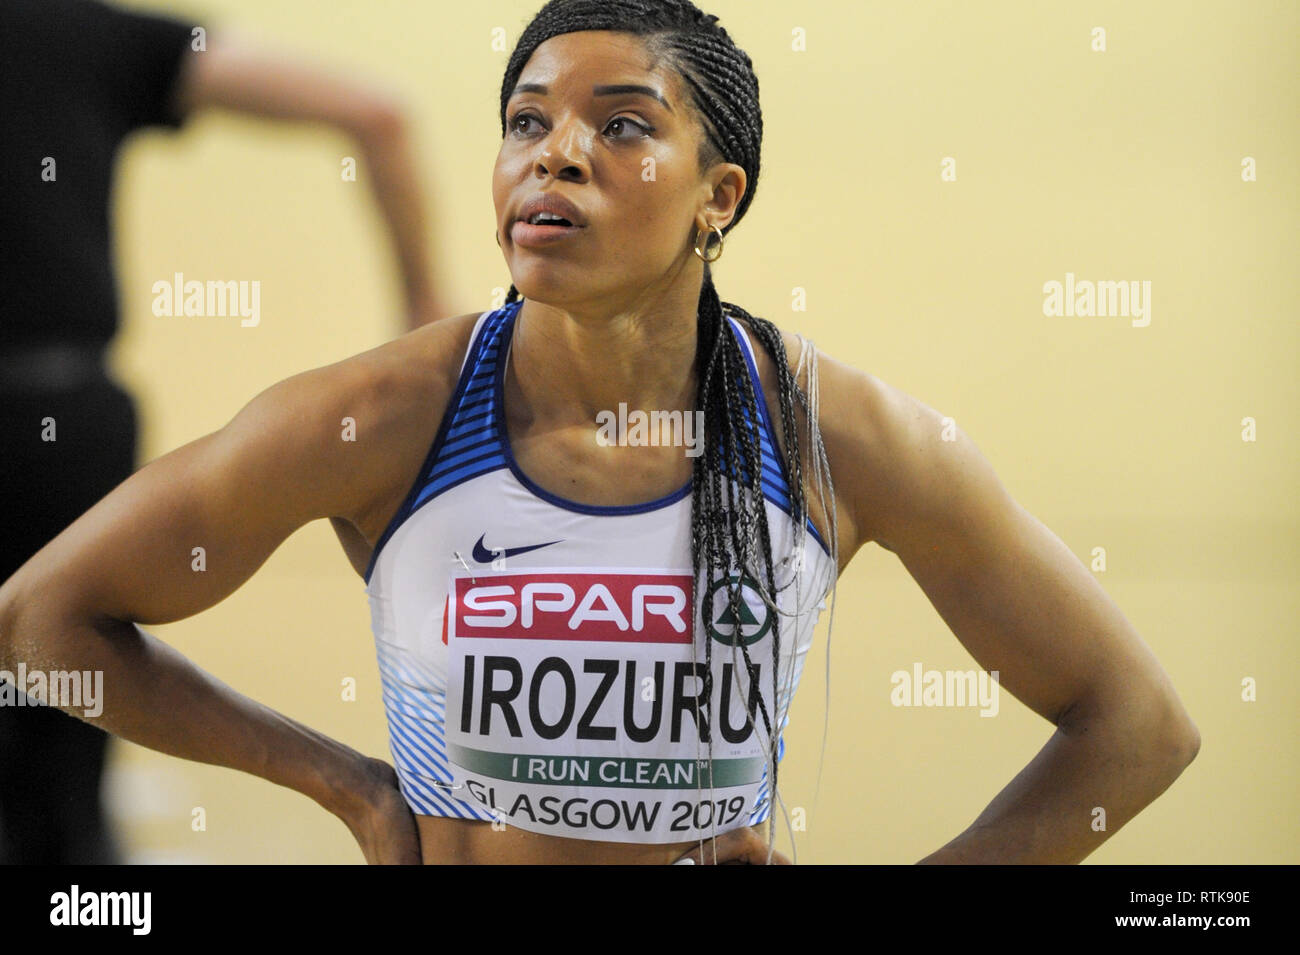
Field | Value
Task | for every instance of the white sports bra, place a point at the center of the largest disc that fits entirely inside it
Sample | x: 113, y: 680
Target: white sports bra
x: 536, y: 654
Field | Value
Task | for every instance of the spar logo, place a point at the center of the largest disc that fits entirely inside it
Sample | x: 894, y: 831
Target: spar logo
x: 559, y: 658
x: 620, y: 607
x: 755, y: 615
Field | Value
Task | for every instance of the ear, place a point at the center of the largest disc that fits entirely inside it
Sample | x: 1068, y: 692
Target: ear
x: 724, y: 186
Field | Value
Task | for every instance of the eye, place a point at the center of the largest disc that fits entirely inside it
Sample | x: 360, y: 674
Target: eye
x: 645, y: 130
x: 514, y: 121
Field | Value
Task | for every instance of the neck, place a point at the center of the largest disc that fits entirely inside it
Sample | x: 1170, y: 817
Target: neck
x: 571, y: 363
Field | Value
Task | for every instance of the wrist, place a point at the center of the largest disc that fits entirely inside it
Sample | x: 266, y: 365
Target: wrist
x: 347, y: 786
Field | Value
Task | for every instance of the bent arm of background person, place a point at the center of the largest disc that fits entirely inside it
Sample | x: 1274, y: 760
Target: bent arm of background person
x: 1022, y: 604
x: 238, y: 75
x: 237, y: 493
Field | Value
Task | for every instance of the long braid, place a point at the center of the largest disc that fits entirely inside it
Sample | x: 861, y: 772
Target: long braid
x: 729, y: 502
x: 727, y: 495
x: 729, y: 528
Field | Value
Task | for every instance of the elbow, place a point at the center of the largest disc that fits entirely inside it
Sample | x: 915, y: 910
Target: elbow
x: 1153, y: 728
x: 32, y: 621
x: 1175, y: 739
x: 8, y: 616
x: 1189, y: 739
x: 380, y: 118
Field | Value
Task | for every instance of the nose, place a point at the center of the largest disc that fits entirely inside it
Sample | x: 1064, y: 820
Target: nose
x: 563, y: 154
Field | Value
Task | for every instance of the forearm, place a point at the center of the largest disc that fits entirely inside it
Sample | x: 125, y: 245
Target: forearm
x: 153, y: 696
x: 394, y: 179
x: 237, y: 73
x: 1088, y: 781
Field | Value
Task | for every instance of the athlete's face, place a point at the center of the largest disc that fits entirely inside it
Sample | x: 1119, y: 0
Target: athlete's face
x: 626, y: 159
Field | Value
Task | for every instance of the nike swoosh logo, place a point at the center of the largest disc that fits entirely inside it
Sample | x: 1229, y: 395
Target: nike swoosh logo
x: 484, y: 556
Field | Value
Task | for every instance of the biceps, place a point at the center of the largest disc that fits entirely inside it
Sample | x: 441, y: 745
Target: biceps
x: 170, y: 541
x: 1020, y: 602
x: 189, y: 528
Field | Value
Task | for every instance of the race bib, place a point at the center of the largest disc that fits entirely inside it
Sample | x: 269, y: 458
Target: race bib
x: 572, y: 704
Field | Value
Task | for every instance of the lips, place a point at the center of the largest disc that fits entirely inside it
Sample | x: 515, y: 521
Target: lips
x: 556, y: 205
x: 548, y: 232
x: 528, y: 236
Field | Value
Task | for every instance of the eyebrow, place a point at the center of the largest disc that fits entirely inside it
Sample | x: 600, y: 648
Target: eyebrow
x: 620, y: 89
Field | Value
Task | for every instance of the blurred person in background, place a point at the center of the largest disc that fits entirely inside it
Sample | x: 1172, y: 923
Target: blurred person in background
x: 77, y: 77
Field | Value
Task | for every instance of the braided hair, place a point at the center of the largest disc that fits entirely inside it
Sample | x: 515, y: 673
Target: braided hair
x: 729, y: 528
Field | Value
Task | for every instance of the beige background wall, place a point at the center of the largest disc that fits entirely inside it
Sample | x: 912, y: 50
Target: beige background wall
x: 1116, y: 165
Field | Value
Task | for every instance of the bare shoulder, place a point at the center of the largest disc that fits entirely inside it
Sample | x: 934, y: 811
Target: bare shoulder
x: 419, y: 359
x: 913, y: 480
x: 891, y: 456
x: 397, y: 393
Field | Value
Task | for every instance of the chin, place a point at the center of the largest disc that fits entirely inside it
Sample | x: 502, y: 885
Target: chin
x: 546, y: 289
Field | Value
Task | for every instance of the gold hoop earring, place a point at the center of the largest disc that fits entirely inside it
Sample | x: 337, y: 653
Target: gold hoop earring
x: 702, y: 256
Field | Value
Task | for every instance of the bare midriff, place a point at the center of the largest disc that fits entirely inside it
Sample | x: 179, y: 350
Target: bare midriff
x: 444, y: 840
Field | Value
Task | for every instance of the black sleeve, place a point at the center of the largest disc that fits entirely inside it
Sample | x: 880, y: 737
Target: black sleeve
x: 144, y: 52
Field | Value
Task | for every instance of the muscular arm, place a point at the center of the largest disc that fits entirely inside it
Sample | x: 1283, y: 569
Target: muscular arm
x: 236, y: 75
x: 1022, y: 604
x: 237, y: 494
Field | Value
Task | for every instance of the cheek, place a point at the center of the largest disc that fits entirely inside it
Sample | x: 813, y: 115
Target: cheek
x: 510, y: 168
x: 500, y: 181
x: 656, y: 211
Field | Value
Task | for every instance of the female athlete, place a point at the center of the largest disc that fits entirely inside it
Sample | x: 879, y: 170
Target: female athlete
x: 589, y: 639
